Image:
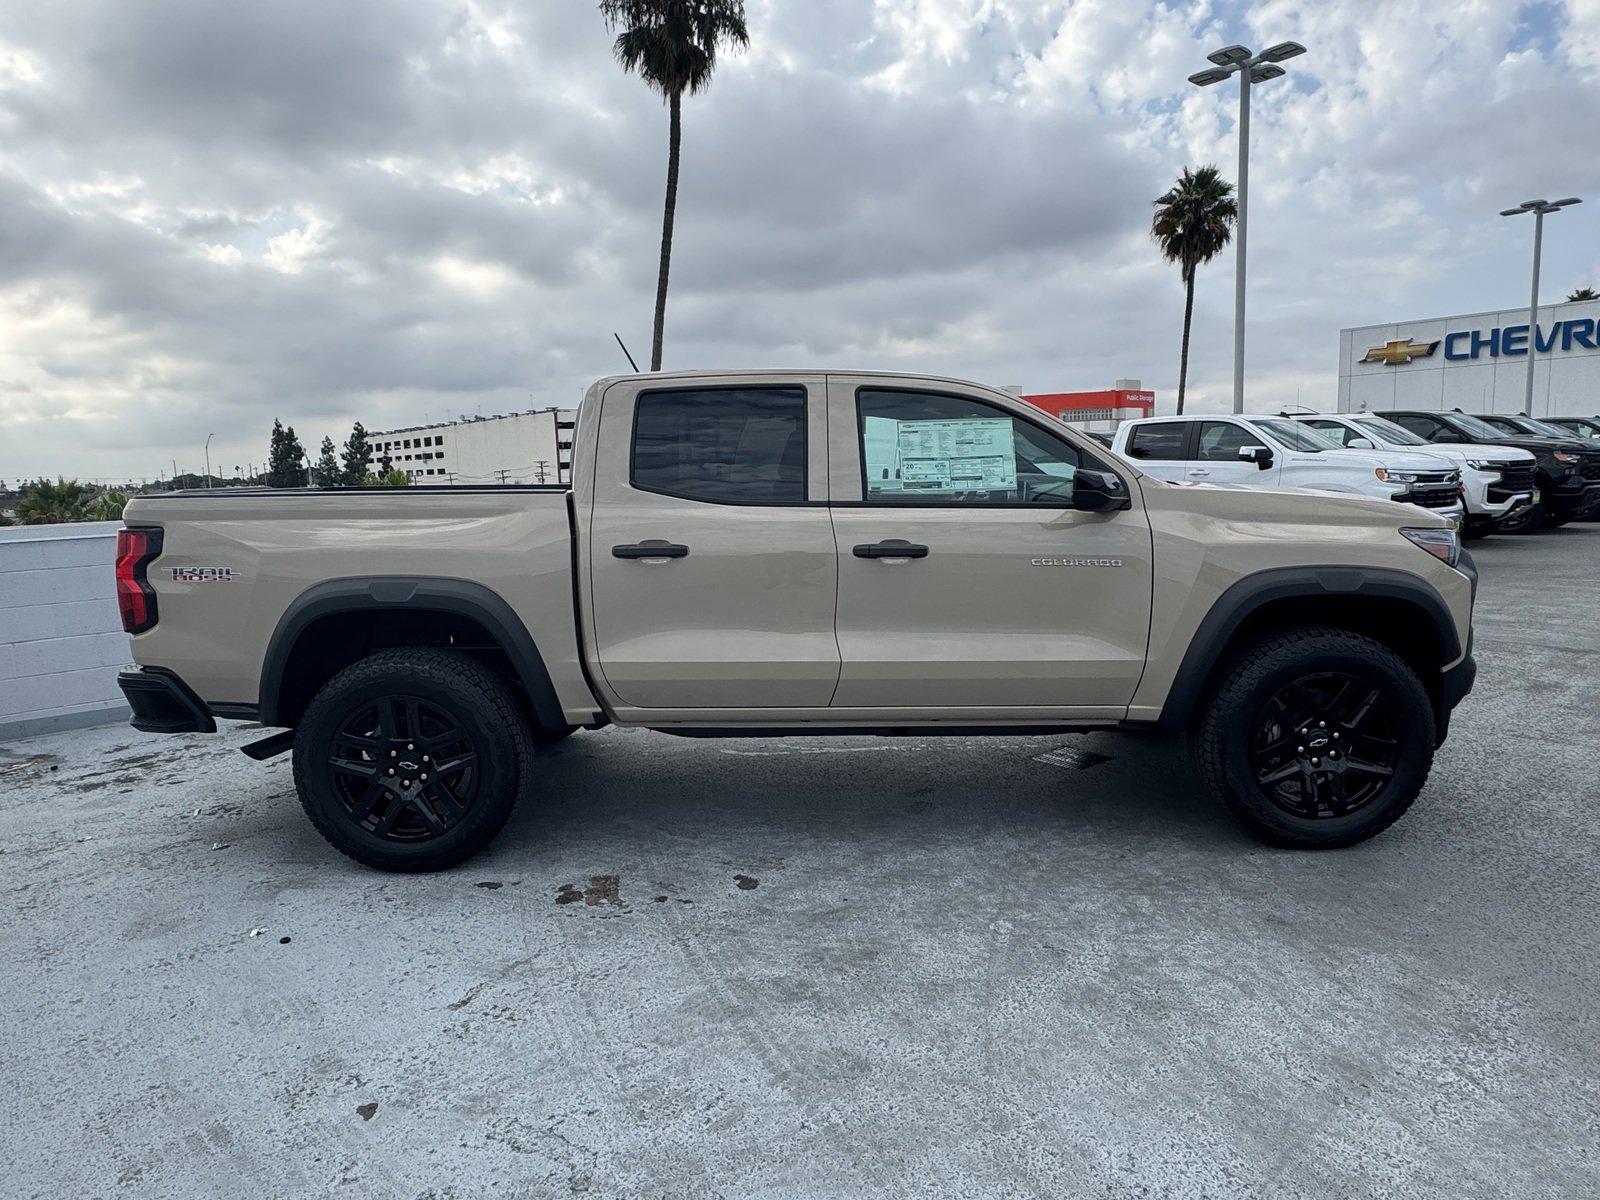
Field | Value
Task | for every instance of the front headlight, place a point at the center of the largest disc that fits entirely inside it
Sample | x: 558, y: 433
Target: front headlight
x: 1395, y: 476
x: 1478, y: 464
x: 1443, y: 544
x: 1563, y: 456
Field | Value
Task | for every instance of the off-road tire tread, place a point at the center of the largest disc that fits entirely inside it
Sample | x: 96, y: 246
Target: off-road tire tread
x: 502, y: 709
x: 1206, y: 750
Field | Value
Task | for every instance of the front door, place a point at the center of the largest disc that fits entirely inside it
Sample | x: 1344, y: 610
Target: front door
x: 712, y: 570
x: 966, y: 580
x: 1215, y: 456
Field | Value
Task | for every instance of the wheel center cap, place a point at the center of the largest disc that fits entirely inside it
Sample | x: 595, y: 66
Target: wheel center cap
x: 409, y: 766
x: 1318, y: 740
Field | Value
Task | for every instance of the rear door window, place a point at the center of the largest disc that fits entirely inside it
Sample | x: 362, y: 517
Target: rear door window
x: 723, y: 445
x: 1164, y: 441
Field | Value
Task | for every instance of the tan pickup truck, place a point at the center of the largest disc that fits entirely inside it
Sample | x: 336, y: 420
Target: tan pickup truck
x: 748, y: 554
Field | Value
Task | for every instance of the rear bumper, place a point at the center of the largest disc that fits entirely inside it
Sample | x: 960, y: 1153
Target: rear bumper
x: 163, y: 703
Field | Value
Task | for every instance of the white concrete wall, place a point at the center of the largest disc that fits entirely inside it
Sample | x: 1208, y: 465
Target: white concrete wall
x: 1566, y: 380
x: 61, y: 639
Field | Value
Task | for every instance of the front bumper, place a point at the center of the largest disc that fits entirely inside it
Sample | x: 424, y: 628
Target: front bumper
x: 1579, y: 498
x: 163, y: 703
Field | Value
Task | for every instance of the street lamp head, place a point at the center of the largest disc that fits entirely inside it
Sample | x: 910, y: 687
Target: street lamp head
x: 1265, y: 71
x: 1530, y: 205
x: 1512, y: 212
x: 1567, y: 201
x: 1209, y: 76
x: 1230, y: 56
x: 1280, y: 52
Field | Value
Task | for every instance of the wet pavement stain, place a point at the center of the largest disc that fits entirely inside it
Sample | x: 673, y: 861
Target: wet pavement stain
x: 602, y: 889
x: 367, y: 1111
x: 490, y: 885
x: 746, y: 883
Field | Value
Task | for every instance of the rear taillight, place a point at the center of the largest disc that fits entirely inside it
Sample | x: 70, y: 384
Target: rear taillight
x: 136, y: 548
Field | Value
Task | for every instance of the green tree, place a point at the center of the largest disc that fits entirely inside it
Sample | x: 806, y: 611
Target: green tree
x: 672, y: 45
x: 44, y: 503
x: 1583, y: 293
x: 393, y: 478
x: 284, y: 469
x: 1193, y: 221
x: 357, y: 457
x: 326, y: 472
x: 108, y: 505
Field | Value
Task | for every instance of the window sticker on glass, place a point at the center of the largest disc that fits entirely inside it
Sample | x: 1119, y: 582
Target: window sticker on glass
x: 945, y: 457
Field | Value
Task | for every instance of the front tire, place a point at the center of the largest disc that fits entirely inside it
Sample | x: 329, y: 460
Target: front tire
x: 412, y: 759
x: 1315, y: 738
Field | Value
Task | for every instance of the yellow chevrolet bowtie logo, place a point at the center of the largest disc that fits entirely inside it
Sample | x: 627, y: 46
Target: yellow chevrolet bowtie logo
x: 1395, y: 353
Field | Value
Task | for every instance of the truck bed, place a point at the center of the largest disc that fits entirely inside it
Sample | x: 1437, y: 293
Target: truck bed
x: 241, y: 567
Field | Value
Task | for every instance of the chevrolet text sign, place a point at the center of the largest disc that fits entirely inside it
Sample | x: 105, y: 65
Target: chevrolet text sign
x: 1511, y: 341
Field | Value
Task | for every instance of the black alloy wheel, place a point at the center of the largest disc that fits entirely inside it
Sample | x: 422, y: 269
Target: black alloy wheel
x: 1325, y: 745
x: 404, y: 769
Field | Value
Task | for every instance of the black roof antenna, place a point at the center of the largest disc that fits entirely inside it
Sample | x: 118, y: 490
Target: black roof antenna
x: 629, y: 357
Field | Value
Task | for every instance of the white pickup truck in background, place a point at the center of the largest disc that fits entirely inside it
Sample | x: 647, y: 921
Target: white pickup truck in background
x: 1271, y: 452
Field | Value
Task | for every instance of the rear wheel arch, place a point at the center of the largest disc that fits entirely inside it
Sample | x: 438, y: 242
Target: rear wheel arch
x: 336, y: 622
x: 1399, y: 610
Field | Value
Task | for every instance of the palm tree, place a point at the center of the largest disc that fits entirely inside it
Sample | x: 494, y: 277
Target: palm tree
x: 108, y: 505
x: 44, y: 503
x: 1193, y: 221
x: 1583, y: 293
x: 672, y: 44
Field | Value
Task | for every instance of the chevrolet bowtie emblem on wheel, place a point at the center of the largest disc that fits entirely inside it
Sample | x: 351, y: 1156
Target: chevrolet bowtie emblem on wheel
x: 1398, y: 352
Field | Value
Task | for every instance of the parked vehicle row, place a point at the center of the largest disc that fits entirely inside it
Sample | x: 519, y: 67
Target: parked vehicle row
x: 1282, y: 454
x: 1566, y: 468
x: 812, y: 553
x: 1496, y: 472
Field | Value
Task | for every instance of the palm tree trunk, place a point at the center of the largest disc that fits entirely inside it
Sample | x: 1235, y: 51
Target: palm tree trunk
x: 674, y: 136
x: 1183, y: 355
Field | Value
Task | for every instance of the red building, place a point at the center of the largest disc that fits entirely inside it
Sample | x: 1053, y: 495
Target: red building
x: 1121, y: 402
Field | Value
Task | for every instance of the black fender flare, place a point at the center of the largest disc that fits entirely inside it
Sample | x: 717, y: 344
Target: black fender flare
x: 1285, y: 583
x: 458, y: 596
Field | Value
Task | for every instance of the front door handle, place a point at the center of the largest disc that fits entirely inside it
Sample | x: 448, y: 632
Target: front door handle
x: 1199, y: 473
x: 650, y: 549
x: 893, y: 548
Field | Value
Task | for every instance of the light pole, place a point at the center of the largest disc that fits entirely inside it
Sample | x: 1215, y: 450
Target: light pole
x: 209, y: 436
x: 1252, y: 69
x: 1538, y: 208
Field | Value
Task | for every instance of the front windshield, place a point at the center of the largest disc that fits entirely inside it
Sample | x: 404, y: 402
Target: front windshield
x: 1387, y: 431
x: 1477, y: 428
x: 1542, y: 429
x: 1298, y: 437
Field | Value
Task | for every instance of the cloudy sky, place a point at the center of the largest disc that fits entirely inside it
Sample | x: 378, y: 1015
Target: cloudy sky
x: 213, y: 213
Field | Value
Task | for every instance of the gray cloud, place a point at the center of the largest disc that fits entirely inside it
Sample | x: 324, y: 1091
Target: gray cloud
x: 212, y: 214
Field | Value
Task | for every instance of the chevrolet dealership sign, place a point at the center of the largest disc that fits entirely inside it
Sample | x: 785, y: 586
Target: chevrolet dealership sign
x: 1476, y: 362
x: 1509, y: 341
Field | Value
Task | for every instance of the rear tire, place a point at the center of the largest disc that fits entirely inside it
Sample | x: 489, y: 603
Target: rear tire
x: 412, y: 759
x: 1315, y: 738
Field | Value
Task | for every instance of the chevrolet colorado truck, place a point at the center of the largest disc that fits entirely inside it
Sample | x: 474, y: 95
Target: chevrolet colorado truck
x: 750, y: 554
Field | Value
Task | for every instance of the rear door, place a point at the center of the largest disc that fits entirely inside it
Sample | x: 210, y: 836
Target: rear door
x: 711, y: 563
x: 1004, y: 597
x: 1161, y: 448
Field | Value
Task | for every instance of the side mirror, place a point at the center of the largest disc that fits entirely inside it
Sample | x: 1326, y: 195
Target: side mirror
x: 1099, y: 491
x: 1445, y: 435
x: 1360, y: 443
x: 1260, y: 455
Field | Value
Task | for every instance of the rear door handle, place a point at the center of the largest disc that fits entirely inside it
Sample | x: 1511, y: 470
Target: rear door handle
x: 1199, y: 473
x: 651, y: 549
x: 893, y: 548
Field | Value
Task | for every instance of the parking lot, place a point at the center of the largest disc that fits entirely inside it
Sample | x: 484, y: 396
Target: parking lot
x: 826, y: 967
